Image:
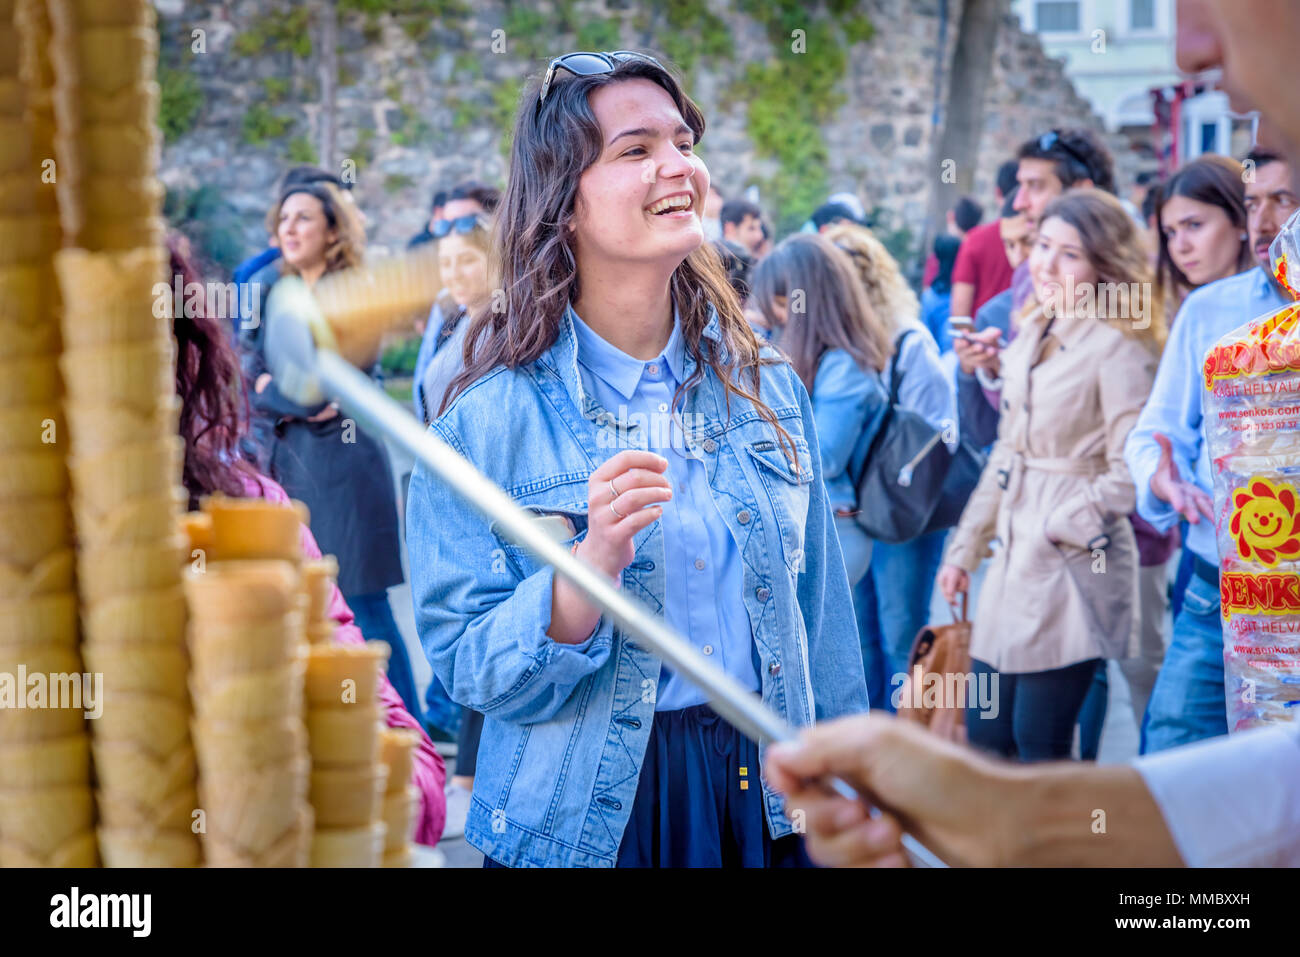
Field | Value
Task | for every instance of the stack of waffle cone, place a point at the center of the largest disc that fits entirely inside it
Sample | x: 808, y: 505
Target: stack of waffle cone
x: 402, y: 799
x: 344, y: 721
x: 107, y: 146
x: 46, y: 809
x: 125, y: 467
x: 247, y: 647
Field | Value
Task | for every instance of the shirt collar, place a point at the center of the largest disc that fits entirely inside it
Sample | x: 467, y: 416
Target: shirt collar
x: 614, y: 366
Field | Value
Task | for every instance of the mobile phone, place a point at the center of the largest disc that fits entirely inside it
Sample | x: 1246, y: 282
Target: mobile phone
x: 961, y: 326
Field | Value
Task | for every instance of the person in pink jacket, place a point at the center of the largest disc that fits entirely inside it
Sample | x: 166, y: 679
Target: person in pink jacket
x: 213, y: 418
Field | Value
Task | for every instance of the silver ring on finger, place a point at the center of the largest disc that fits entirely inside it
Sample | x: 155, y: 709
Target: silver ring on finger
x: 616, y: 511
x: 612, y: 490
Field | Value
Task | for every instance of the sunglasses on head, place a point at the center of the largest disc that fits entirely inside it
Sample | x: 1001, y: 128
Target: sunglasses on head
x: 587, y: 64
x: 461, y: 224
x: 1052, y: 139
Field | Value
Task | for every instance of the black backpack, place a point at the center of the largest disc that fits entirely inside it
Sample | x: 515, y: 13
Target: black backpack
x: 909, y: 483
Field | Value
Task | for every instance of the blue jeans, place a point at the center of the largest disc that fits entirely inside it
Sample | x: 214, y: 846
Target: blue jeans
x: 892, y: 602
x: 1036, y: 713
x: 374, y: 616
x: 1187, y: 703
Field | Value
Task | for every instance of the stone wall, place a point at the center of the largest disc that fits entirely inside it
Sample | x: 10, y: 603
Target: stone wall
x: 424, y: 99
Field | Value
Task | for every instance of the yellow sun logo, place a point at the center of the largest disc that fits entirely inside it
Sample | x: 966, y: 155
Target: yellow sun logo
x: 1265, y: 522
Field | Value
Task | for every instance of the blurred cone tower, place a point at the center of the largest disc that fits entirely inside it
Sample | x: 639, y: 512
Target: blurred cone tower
x: 125, y: 457
x: 46, y: 810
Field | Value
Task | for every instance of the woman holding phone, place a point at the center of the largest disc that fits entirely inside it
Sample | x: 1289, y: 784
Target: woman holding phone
x: 621, y: 397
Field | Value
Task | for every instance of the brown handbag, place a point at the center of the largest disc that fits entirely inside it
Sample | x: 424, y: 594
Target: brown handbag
x: 931, y: 687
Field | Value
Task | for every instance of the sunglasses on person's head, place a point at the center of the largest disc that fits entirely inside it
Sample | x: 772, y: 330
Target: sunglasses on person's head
x: 461, y: 224
x: 1052, y: 139
x: 588, y: 64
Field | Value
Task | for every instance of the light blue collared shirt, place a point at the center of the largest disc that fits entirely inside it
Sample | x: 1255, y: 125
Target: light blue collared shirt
x: 703, y: 579
x: 1176, y: 407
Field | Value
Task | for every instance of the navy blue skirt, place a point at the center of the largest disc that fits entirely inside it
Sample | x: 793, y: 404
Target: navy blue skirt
x: 699, y: 801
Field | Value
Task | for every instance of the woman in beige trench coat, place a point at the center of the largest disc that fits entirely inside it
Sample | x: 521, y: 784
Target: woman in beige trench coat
x: 1061, y: 590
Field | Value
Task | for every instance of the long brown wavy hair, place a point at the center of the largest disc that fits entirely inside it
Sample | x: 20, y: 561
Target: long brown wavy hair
x: 1116, y: 251
x: 534, y: 267
x: 1217, y: 181
x: 827, y: 307
x: 341, y: 214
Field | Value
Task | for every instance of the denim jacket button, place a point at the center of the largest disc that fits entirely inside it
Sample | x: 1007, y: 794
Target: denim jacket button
x: 763, y: 593
x: 709, y: 446
x: 743, y: 516
x: 774, y: 668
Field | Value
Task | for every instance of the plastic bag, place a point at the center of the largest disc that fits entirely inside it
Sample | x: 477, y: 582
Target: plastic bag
x: 1252, y: 427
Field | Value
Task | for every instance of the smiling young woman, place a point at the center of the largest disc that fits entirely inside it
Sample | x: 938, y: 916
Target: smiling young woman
x: 617, y: 313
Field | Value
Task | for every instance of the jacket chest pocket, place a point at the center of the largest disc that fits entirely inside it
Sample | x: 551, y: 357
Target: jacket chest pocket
x: 789, y: 489
x: 566, y: 524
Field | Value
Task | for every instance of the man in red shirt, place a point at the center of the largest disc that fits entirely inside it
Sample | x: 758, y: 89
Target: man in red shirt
x: 981, y: 270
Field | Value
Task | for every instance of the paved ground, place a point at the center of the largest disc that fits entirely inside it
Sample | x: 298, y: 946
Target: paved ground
x: 1119, y: 740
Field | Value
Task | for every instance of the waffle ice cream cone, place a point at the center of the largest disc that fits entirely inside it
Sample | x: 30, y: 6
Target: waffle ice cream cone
x: 28, y: 380
x: 28, y: 340
x: 26, y: 427
x: 123, y: 569
x: 291, y: 849
x: 397, y: 752
x: 133, y: 105
x: 151, y: 722
x: 105, y: 58
x: 251, y: 810
x: 69, y: 16
x: 32, y: 474
x: 399, y: 811
x: 344, y: 736
x: 148, y: 847
x: 140, y: 521
x: 139, y: 375
x: 50, y: 619
x: 348, y: 847
x: 137, y: 775
x: 240, y: 747
x: 40, y: 820
x: 341, y: 676
x: 79, y: 850
x: 154, y: 616
x: 242, y: 593
x: 57, y: 762
x: 348, y: 796
x: 225, y: 652
x: 140, y: 668
x: 250, y: 529
x: 402, y: 858
x: 27, y: 239
x: 39, y: 657
x: 261, y: 695
x: 101, y: 428
x: 318, y: 577
x: 173, y: 812
x: 33, y: 529
x: 50, y: 575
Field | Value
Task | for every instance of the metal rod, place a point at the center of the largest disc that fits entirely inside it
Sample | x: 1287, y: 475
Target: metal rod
x: 743, y: 709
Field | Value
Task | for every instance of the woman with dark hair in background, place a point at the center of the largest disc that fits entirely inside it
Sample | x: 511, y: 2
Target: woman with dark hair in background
x: 1201, y: 228
x: 622, y: 398
x: 341, y: 473
x: 936, y: 299
x: 838, y: 350
x: 213, y: 419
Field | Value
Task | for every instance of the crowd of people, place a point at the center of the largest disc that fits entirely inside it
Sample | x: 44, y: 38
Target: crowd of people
x: 691, y: 406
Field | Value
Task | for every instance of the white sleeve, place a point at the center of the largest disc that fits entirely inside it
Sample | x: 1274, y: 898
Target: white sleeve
x: 1231, y: 801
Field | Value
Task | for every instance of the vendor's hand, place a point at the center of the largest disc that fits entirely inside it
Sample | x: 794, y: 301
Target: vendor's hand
x: 978, y: 350
x: 953, y: 580
x: 325, y: 414
x: 1168, y: 486
x: 957, y: 804
x: 639, y: 480
x: 262, y: 382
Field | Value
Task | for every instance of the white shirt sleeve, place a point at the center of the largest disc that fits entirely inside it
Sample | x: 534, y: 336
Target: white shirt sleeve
x: 1231, y: 801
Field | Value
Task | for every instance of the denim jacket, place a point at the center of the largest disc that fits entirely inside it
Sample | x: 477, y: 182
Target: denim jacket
x: 566, y: 726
